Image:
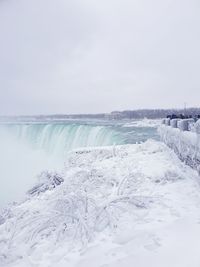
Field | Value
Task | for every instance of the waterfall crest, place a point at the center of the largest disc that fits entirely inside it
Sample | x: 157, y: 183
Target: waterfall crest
x: 60, y: 138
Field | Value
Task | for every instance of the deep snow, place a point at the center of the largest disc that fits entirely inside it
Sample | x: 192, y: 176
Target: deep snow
x: 130, y: 205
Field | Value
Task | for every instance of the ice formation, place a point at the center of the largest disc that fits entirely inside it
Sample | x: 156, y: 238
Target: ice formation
x: 186, y: 144
x: 128, y: 205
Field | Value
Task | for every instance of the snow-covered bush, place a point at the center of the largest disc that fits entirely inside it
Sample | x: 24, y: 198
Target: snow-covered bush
x: 47, y: 181
x: 186, y: 144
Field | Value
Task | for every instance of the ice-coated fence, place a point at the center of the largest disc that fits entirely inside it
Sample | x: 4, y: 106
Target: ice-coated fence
x: 183, y: 136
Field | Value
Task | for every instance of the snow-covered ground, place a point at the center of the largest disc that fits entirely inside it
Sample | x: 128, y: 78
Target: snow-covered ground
x: 130, y: 205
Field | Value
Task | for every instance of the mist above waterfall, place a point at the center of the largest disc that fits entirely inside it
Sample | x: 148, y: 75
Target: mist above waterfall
x: 20, y: 164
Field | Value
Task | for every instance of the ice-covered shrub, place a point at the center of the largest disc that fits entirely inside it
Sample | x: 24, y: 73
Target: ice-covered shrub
x: 185, y: 144
x: 47, y: 181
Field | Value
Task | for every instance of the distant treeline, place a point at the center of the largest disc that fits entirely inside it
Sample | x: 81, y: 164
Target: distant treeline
x: 115, y: 115
x: 154, y: 113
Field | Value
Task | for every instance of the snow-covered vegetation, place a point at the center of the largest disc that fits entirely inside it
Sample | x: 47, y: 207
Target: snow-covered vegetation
x: 128, y: 205
x: 186, y: 144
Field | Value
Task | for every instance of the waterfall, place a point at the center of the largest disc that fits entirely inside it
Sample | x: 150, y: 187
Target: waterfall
x: 27, y: 148
x: 58, y: 138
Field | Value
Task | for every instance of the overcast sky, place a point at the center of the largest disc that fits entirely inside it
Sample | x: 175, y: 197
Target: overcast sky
x: 90, y: 56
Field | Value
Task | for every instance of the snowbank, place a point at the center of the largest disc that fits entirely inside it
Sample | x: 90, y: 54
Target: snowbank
x: 129, y: 205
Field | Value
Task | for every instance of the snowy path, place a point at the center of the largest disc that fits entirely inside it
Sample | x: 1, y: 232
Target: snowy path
x: 134, y: 205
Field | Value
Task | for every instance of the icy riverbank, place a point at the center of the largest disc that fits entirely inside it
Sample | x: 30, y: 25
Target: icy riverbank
x: 130, y: 205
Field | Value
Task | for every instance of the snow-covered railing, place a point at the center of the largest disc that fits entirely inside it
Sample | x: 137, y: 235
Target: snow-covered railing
x: 183, y: 136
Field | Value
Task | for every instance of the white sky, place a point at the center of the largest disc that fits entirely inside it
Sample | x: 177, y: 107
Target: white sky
x: 90, y: 56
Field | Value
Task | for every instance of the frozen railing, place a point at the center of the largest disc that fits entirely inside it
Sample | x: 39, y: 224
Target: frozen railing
x: 183, y: 136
